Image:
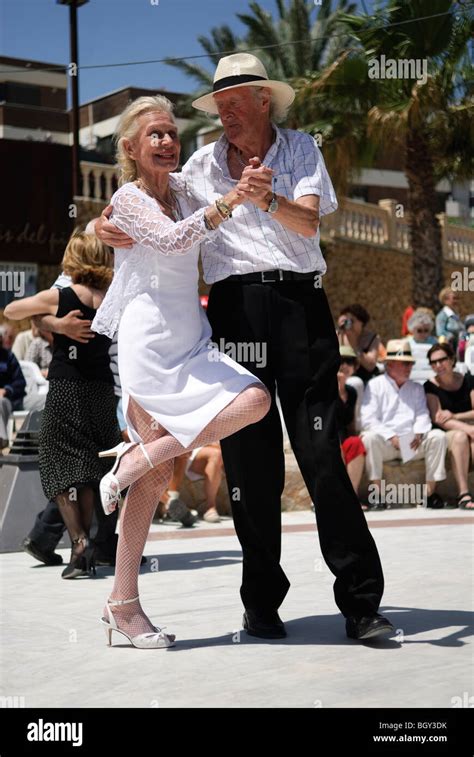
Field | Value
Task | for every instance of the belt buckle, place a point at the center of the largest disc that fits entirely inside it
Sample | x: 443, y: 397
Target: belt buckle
x: 269, y: 281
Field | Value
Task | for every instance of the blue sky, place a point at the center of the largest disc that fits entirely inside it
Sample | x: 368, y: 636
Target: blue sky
x: 115, y: 31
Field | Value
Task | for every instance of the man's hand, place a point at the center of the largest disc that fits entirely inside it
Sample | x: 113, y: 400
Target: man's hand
x: 416, y: 441
x: 256, y: 184
x: 74, y: 327
x: 395, y: 442
x: 108, y: 233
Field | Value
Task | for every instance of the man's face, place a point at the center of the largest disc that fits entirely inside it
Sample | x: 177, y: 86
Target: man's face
x: 240, y: 109
x: 399, y: 370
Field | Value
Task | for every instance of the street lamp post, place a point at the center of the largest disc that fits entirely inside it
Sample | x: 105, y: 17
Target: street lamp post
x: 74, y: 72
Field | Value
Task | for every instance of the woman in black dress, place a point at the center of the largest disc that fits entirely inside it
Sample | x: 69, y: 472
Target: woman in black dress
x: 450, y: 397
x: 79, y: 418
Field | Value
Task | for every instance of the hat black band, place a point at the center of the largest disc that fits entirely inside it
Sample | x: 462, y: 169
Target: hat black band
x: 399, y: 354
x: 231, y: 81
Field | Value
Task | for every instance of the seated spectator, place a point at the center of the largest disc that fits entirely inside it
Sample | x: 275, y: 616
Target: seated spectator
x: 421, y: 326
x: 394, y: 406
x: 9, y: 334
x: 12, y: 384
x: 40, y: 350
x: 206, y: 462
x: 21, y: 343
x: 467, y: 340
x: 450, y: 397
x: 448, y: 322
x: 352, y: 332
x: 353, y: 450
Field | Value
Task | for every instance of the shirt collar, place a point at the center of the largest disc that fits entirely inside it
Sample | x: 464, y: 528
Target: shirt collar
x: 222, y: 145
x: 448, y: 310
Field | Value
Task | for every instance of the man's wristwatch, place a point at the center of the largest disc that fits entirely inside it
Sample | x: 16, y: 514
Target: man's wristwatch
x: 273, y: 206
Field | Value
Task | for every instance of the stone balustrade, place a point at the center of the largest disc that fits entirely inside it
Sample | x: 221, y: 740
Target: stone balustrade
x: 383, y: 225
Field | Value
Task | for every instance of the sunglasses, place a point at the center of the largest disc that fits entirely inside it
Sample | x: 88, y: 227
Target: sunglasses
x: 422, y: 331
x: 348, y: 360
x: 440, y: 360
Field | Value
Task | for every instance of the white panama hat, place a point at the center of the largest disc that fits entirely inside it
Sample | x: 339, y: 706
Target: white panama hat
x: 244, y: 70
x: 399, y: 349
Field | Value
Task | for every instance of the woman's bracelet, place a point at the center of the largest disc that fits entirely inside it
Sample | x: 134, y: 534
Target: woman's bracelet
x: 224, y: 210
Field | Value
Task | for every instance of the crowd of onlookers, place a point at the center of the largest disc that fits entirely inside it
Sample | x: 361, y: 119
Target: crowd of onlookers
x: 412, y: 398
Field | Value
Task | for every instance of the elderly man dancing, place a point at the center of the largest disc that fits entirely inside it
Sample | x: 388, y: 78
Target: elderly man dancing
x: 265, y: 266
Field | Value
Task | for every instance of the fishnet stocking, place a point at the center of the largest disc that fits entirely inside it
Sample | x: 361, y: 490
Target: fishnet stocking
x: 135, y: 520
x: 250, y: 406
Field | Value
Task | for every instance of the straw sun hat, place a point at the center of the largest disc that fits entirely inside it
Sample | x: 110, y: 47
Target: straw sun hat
x: 244, y: 70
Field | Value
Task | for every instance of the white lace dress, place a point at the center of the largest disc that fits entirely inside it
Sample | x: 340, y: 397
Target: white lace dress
x: 166, y: 359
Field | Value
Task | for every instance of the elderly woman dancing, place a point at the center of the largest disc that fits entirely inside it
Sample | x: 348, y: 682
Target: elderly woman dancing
x: 178, y: 393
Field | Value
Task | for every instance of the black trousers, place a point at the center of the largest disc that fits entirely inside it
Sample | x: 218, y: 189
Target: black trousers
x: 291, y: 320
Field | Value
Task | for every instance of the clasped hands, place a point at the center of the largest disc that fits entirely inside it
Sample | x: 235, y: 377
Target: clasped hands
x: 256, y: 184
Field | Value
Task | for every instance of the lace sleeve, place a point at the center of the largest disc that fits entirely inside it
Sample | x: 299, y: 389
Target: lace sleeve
x: 150, y: 227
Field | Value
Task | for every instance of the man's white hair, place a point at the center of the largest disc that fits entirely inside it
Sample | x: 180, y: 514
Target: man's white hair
x: 277, y: 112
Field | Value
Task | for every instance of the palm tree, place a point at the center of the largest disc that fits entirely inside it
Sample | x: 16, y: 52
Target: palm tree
x: 430, y: 122
x: 299, y: 40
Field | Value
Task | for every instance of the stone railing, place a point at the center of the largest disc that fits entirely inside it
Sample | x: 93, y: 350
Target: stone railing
x: 99, y: 181
x: 381, y: 225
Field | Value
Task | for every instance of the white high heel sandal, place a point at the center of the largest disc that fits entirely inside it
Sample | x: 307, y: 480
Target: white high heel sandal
x: 109, y: 486
x: 157, y: 640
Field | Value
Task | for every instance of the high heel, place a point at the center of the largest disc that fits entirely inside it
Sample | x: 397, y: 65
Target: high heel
x: 109, y: 486
x: 82, y: 564
x: 157, y: 640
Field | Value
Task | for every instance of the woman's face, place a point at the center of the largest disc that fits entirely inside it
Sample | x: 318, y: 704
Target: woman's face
x: 155, y: 148
x: 441, y: 363
x: 356, y: 326
x: 348, y: 366
x: 451, y: 299
x: 421, y: 332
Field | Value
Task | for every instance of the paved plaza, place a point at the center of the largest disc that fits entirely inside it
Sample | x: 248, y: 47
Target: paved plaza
x: 54, y: 651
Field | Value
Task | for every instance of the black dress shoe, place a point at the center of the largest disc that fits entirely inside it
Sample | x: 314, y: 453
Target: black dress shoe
x: 265, y: 625
x: 435, y: 502
x: 48, y: 558
x: 368, y: 627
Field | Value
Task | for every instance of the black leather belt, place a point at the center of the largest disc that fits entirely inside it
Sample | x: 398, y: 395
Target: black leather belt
x: 269, y: 277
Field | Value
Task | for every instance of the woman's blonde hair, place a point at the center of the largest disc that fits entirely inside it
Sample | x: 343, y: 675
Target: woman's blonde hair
x: 443, y: 294
x: 127, y: 127
x: 88, y: 261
